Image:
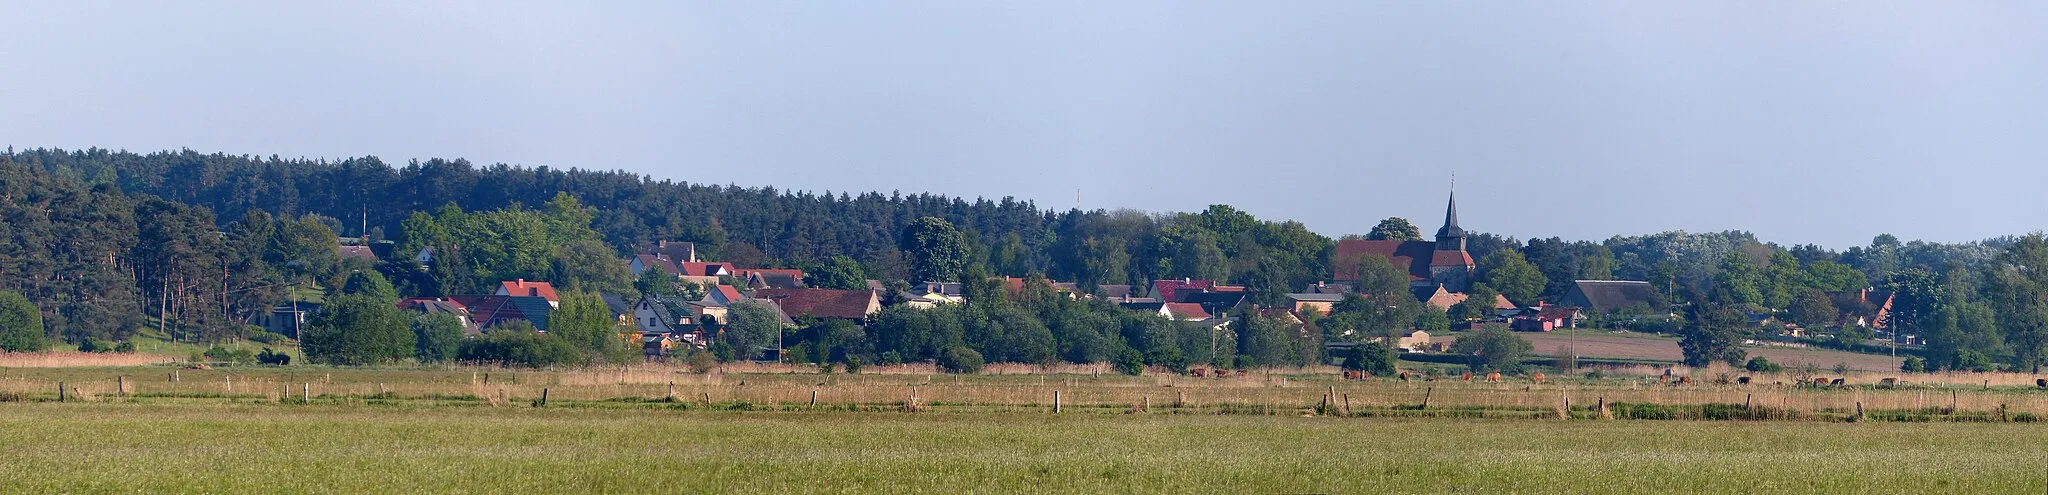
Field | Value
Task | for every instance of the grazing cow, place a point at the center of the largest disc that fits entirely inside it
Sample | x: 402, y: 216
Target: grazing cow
x: 1197, y: 372
x: 1466, y: 376
x: 1820, y: 382
x: 2041, y: 382
x: 1836, y: 382
x: 1352, y: 375
x: 1743, y: 380
x: 1665, y: 378
x: 1404, y: 376
x: 1888, y: 382
x: 1538, y: 377
x: 1493, y: 377
x: 1684, y: 380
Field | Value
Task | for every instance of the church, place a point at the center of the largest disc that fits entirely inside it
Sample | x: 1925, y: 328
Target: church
x: 1435, y: 269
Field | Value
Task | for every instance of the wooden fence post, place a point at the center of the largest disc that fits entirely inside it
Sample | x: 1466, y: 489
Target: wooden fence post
x: 1859, y: 410
x: 543, y: 397
x: 231, y: 384
x: 1055, y: 402
x: 1745, y: 405
x: 1180, y: 399
x: 814, y: 398
x: 60, y: 391
x: 1600, y: 409
x: 121, y: 386
x: 306, y: 392
x: 671, y: 390
x: 174, y: 376
x: 1426, y: 393
x: 1347, y: 403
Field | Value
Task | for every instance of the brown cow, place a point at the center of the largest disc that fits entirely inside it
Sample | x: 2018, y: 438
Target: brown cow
x: 1466, y: 376
x: 1888, y: 383
x: 1404, y: 376
x: 1493, y: 377
x: 1198, y: 372
x: 1684, y: 380
x: 1538, y: 377
x: 1352, y: 375
x: 1820, y: 382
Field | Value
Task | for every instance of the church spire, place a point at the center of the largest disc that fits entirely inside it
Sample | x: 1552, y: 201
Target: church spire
x: 1451, y: 237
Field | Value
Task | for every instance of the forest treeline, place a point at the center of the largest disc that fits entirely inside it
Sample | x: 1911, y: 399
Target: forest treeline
x: 104, y: 242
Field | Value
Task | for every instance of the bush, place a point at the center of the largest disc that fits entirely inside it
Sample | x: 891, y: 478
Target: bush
x: 268, y: 338
x: 520, y: 349
x: 1914, y: 365
x: 853, y: 366
x: 892, y: 358
x: 1760, y: 365
x: 1169, y: 358
x: 125, y: 347
x: 226, y: 355
x: 1129, y: 362
x: 701, y: 361
x: 273, y: 358
x: 1370, y: 357
x: 92, y: 344
x: 960, y: 359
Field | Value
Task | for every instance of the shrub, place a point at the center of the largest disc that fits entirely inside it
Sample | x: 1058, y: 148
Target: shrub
x: 520, y: 349
x: 1370, y: 357
x: 267, y: 338
x: 223, y: 354
x: 1169, y: 358
x: 960, y: 359
x: 1129, y: 362
x: 853, y: 366
x: 273, y: 358
x: 125, y: 347
x: 892, y: 358
x: 1913, y: 365
x: 92, y: 344
x: 1760, y: 365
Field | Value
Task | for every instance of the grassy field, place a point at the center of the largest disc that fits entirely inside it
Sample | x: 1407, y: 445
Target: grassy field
x: 1603, y: 344
x: 256, y: 448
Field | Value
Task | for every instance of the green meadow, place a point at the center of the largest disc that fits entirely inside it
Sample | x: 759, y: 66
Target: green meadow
x: 169, y: 446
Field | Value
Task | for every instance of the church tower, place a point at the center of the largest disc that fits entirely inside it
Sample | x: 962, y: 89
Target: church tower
x: 1451, y: 238
x: 1450, y: 266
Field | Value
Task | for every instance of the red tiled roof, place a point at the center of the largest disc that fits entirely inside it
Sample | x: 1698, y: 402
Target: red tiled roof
x: 1187, y: 311
x: 821, y: 303
x: 703, y: 269
x: 1451, y: 258
x: 728, y: 292
x: 1166, y: 288
x: 1414, y: 256
x: 522, y: 287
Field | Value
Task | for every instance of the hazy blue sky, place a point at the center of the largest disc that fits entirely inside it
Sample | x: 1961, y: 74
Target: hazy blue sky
x: 1800, y: 121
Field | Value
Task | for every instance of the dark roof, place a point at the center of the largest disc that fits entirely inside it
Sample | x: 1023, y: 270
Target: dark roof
x: 941, y: 288
x: 1107, y: 290
x: 1602, y: 296
x: 357, y: 252
x: 821, y: 303
x: 1327, y: 288
x: 1314, y: 297
x: 1450, y: 228
x: 618, y: 305
x: 652, y: 261
x: 1144, y: 305
x: 489, y: 311
x: 679, y: 251
x: 1414, y: 256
